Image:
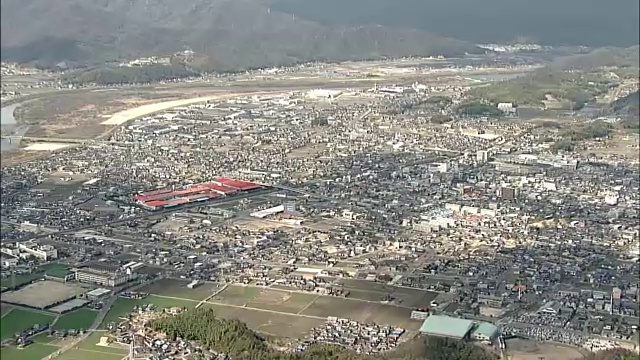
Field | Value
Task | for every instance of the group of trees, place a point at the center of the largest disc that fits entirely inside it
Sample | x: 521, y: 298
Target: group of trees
x: 235, y: 339
x: 477, y: 108
x: 128, y: 75
x: 592, y: 130
x: 574, y: 88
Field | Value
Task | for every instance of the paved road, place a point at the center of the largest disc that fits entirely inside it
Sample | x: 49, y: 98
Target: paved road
x: 98, y: 320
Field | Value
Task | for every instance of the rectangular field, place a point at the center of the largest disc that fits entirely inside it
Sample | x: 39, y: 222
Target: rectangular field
x: 90, y: 345
x: 18, y: 320
x: 373, y: 291
x: 366, y: 312
x: 317, y: 306
x: 77, y: 354
x: 178, y: 288
x: 42, y: 294
x: 78, y: 319
x: 278, y: 324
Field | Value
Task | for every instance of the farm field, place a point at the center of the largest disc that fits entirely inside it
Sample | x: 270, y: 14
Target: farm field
x: 89, y: 345
x: 19, y: 319
x: 122, y: 307
x: 77, y: 319
x: 178, y: 288
x: 315, y: 306
x: 31, y: 352
x: 291, y: 326
x: 366, y: 312
x: 21, y: 279
x: 77, y: 354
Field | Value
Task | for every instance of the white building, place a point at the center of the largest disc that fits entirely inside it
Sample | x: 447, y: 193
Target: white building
x: 482, y: 156
x: 44, y: 252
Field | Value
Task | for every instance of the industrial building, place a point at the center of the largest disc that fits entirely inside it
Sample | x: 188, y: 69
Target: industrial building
x: 446, y: 326
x: 459, y: 329
x: 170, y: 196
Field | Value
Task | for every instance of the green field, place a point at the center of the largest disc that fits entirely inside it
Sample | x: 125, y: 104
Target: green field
x: 75, y: 354
x: 89, y: 345
x: 31, y: 352
x: 123, y: 307
x: 21, y: 279
x: 78, y: 319
x: 18, y: 320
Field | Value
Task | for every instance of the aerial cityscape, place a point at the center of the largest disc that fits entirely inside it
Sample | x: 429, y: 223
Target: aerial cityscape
x: 472, y: 203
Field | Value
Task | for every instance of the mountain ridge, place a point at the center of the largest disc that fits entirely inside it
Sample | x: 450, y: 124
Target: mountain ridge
x: 240, y: 33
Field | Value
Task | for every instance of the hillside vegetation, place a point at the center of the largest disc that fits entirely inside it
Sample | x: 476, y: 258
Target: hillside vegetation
x: 235, y: 339
x: 127, y: 75
x: 573, y: 80
x: 229, y: 35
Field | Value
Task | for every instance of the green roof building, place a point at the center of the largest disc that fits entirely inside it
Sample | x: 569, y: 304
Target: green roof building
x: 486, y: 332
x: 447, y: 326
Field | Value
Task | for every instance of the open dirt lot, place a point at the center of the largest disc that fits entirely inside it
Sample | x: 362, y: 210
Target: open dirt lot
x: 42, y: 294
x: 518, y: 349
x: 178, y: 288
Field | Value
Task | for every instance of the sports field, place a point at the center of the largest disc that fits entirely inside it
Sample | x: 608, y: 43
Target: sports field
x: 18, y: 320
x: 78, y: 319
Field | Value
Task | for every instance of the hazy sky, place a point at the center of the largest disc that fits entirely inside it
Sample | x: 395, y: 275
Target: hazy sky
x: 570, y: 22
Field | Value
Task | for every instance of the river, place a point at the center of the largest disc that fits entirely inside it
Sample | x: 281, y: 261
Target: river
x: 10, y: 127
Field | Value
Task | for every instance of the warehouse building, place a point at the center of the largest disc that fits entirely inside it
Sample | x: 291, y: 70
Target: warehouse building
x: 446, y: 326
x: 459, y: 329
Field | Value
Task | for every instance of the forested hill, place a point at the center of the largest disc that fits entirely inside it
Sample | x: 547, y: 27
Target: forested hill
x: 232, y: 34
